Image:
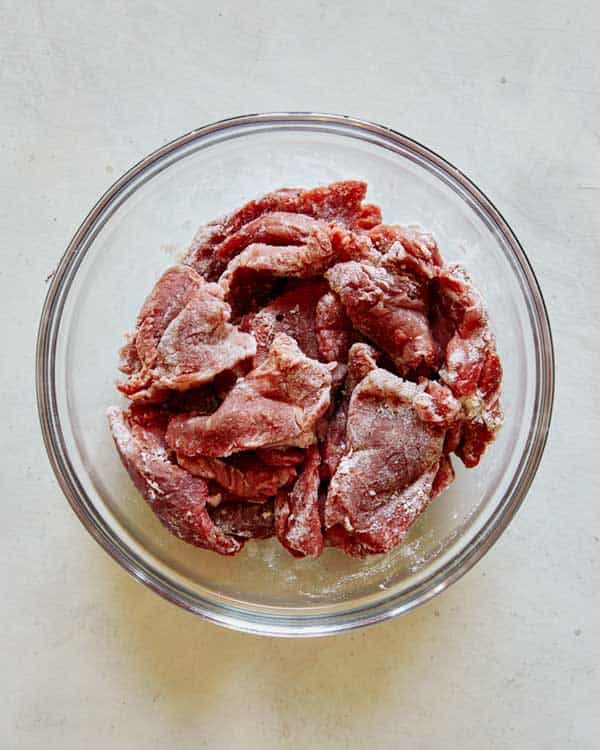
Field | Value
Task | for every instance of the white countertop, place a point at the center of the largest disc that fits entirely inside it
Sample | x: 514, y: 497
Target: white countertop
x: 510, y: 656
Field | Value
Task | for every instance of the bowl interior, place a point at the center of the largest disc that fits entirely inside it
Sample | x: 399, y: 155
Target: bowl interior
x: 140, y: 232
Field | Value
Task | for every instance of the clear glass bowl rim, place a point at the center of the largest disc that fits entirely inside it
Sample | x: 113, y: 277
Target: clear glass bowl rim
x: 261, y: 623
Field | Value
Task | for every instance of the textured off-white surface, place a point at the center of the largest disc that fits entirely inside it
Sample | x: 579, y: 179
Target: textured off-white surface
x: 509, y: 657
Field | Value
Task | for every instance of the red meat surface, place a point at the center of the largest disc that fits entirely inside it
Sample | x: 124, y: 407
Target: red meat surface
x: 389, y: 304
x: 471, y: 365
x: 333, y: 329
x: 243, y: 475
x: 293, y: 313
x: 277, y: 404
x: 368, y: 217
x: 348, y: 245
x: 361, y: 360
x: 297, y: 520
x: 281, y: 456
x: 170, y: 295
x: 385, y: 478
x: 177, y: 498
x: 418, y: 244
x: 258, y: 265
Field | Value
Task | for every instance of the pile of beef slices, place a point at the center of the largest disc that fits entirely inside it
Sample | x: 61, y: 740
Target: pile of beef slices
x: 306, y: 373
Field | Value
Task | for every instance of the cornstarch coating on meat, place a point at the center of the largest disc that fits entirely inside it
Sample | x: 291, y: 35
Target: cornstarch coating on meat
x: 306, y: 373
x: 177, y: 498
x: 393, y: 451
x: 183, y: 338
x: 388, y: 302
x: 259, y: 263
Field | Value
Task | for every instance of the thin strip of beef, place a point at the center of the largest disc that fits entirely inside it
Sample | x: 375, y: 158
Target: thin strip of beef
x: 293, y: 313
x: 243, y: 520
x: 393, y: 453
x: 277, y: 404
x: 444, y: 477
x: 339, y: 201
x: 333, y: 329
x: 278, y: 228
x: 389, y: 304
x: 243, y: 474
x: 177, y: 498
x: 258, y: 265
x: 471, y: 366
x: 198, y: 344
x: 170, y: 295
x: 361, y: 360
x: 297, y: 520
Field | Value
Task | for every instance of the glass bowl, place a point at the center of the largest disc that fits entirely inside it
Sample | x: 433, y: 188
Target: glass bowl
x: 136, y: 230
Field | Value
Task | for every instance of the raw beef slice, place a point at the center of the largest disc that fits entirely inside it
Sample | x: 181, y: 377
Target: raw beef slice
x: 175, y: 496
x: 297, y: 520
x: 185, y: 344
x: 259, y: 264
x: 339, y: 202
x: 393, y: 453
x: 170, y: 295
x: 389, y: 303
x: 471, y: 365
x: 333, y: 329
x: 277, y: 404
x: 243, y: 475
x: 361, y: 360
